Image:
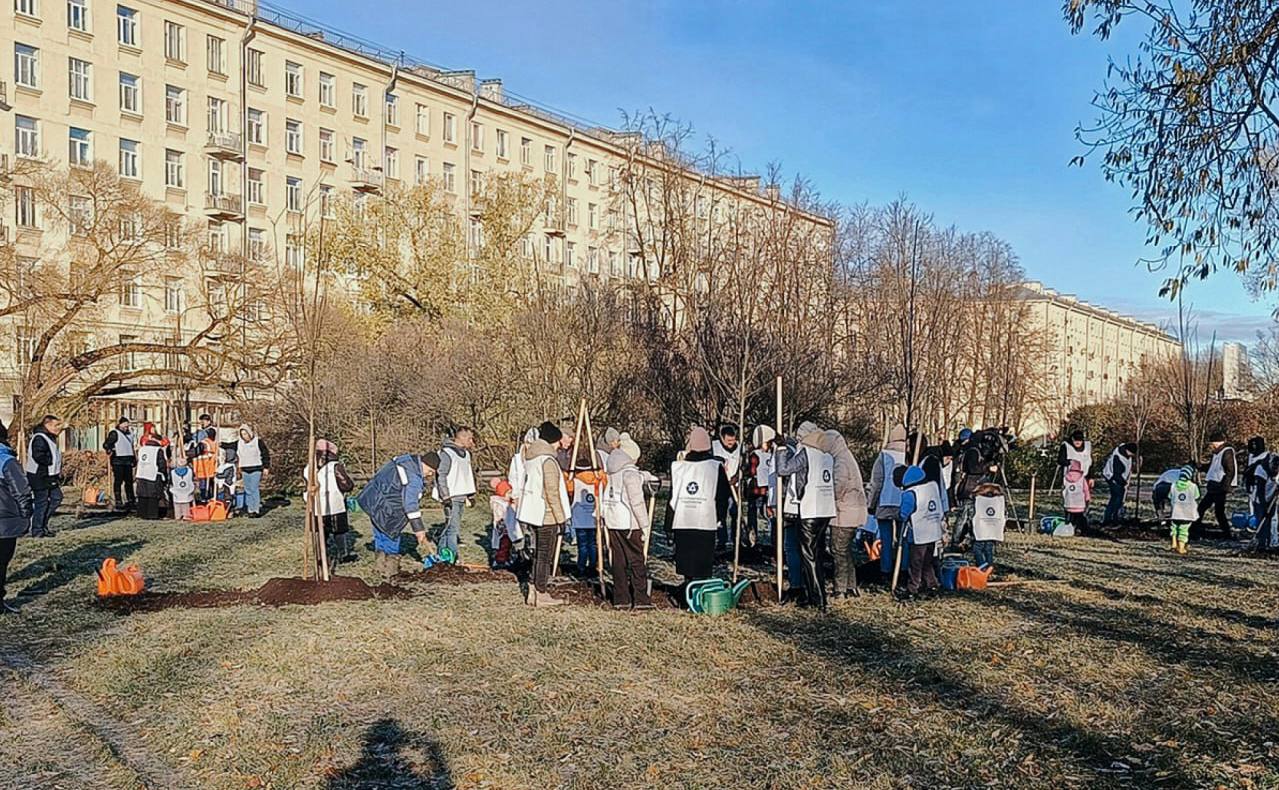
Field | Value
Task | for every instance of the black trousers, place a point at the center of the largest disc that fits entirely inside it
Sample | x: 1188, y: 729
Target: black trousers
x: 1215, y: 498
x: 544, y: 556
x: 630, y: 569
x: 7, y: 546
x: 122, y: 476
x: 812, y: 538
x: 923, y: 570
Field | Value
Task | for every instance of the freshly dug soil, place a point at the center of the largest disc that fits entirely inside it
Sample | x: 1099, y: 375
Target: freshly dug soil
x: 276, y: 592
x: 455, y: 574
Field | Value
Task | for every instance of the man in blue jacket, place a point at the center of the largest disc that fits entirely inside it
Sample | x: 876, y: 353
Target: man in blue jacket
x: 391, y: 500
x: 15, y: 509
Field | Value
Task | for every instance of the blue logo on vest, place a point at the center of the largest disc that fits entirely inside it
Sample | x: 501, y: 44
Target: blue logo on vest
x: 825, y: 475
x: 589, y: 498
x: 692, y: 487
x: 990, y: 511
x: 932, y: 505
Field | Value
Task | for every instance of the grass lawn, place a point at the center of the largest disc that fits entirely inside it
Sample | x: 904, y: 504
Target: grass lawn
x: 1123, y: 665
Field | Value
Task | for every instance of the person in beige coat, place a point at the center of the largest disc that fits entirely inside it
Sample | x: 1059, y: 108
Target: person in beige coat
x: 850, y: 512
x: 543, y: 509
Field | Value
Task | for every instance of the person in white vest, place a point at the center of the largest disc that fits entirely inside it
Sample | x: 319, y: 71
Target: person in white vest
x: 1117, y: 471
x: 988, y: 523
x: 699, y: 503
x: 927, y: 516
x: 152, y: 475
x: 515, y: 469
x: 455, y: 484
x: 625, y: 513
x: 43, y: 468
x: 181, y: 487
x: 1221, y: 478
x: 122, y: 452
x: 254, y: 458
x: 728, y: 450
x: 808, y: 473
x: 332, y: 485
x: 1077, y: 449
x: 757, y: 473
x: 543, y: 510
x: 1184, y: 509
x: 1161, y: 491
x: 1259, y: 480
x: 885, y: 495
x: 1076, y: 493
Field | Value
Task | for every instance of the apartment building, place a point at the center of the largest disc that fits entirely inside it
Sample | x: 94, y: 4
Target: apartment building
x: 1089, y: 352
x: 243, y: 116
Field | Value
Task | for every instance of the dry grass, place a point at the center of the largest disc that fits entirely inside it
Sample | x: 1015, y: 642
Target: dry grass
x: 1144, y: 669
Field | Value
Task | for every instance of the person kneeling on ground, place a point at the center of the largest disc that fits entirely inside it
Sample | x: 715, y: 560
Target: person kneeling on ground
x: 15, y: 509
x: 988, y: 523
x: 392, y: 501
x: 332, y: 485
x: 1185, y: 496
x: 626, y: 517
x: 699, y: 502
x: 543, y: 509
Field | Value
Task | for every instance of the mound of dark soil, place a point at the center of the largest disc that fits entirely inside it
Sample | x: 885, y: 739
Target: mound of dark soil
x: 456, y: 574
x: 276, y: 592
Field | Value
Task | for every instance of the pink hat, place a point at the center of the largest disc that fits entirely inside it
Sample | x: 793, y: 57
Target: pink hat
x: 699, y: 440
x: 325, y: 446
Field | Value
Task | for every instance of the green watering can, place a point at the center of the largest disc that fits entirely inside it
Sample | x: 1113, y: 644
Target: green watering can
x: 714, y: 596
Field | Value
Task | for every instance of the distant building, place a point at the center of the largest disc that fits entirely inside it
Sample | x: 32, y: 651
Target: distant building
x: 1237, y: 382
x: 1089, y: 354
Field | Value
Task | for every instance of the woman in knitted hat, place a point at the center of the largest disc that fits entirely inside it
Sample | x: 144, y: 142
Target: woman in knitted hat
x: 699, y: 503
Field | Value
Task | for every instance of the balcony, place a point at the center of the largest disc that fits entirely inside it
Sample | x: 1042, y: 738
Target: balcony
x: 224, y: 208
x: 365, y: 180
x: 226, y: 146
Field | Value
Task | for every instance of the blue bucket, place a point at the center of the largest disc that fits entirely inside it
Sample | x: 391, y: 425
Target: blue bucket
x: 950, y: 571
x: 1242, y: 521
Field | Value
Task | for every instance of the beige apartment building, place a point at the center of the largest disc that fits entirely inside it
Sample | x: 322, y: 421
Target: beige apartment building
x: 242, y: 116
x: 1089, y: 352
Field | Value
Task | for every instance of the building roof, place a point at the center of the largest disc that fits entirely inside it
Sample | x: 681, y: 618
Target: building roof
x: 1033, y: 290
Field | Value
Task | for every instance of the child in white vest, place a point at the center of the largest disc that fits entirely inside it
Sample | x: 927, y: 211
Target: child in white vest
x: 505, y: 530
x: 181, y: 488
x: 1185, y: 509
x: 988, y: 523
x: 1076, y: 493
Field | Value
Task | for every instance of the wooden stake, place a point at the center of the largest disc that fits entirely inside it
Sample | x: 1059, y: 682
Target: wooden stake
x: 595, y: 487
x: 1030, y: 515
x: 779, y: 520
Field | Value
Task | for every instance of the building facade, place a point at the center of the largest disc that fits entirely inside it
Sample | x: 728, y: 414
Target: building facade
x: 242, y: 117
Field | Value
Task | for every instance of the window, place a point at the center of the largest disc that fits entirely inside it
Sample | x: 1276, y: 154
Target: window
x: 593, y: 172
x: 26, y: 7
x: 421, y: 170
x: 570, y: 254
x: 593, y: 260
x: 526, y: 151
x: 130, y: 166
x: 477, y: 185
x: 174, y: 170
x: 253, y: 67
x: 257, y: 189
x: 81, y: 151
x: 450, y: 179
x: 328, y: 90
x: 257, y: 244
x: 501, y: 144
x: 293, y: 193
x: 359, y: 100
x: 293, y: 137
x: 173, y: 234
x: 293, y: 83
x: 357, y: 153
x: 215, y: 177
x: 175, y: 105
x: 175, y: 42
x: 131, y: 292
x: 424, y: 120
x: 612, y: 219
x: 217, y: 115
x: 130, y: 93
x: 327, y: 146
x: 392, y: 165
x: 77, y: 15
x: 172, y: 295
x: 477, y: 137
x: 127, y: 25
x: 293, y: 255
x: 450, y: 128
x: 26, y: 132
x: 81, y: 74
x: 392, y: 110
x: 548, y: 159
x: 256, y: 126
x: 476, y: 236
x: 572, y: 211
x: 80, y: 212
x: 571, y: 161
x: 26, y: 65
x: 24, y: 207
x: 548, y: 249
x: 614, y: 263
x: 128, y: 360
x: 326, y: 201
x: 526, y: 246
x: 592, y: 216
x: 215, y: 54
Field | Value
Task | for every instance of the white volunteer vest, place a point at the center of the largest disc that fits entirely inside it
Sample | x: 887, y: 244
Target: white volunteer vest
x: 889, y: 494
x: 1084, y: 456
x: 515, y: 473
x: 329, y: 499
x: 182, y: 486
x: 1126, y: 463
x: 533, y: 508
x: 149, y: 462
x: 818, y: 500
x: 1217, y: 469
x: 1185, y: 503
x: 583, y: 511
x: 1074, y: 496
x: 763, y: 469
x: 1170, y: 477
x: 1261, y: 478
x: 31, y: 467
x: 460, y: 480
x: 732, y: 460
x: 123, y: 444
x: 616, y: 511
x: 249, y: 453
x: 693, y: 494
x: 988, y: 518
x: 926, y: 521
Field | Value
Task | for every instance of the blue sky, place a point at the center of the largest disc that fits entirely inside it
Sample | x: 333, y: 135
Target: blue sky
x: 968, y: 109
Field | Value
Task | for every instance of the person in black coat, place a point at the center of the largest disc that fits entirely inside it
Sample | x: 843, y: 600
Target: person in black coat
x: 44, y: 474
x: 122, y: 451
x: 15, y: 509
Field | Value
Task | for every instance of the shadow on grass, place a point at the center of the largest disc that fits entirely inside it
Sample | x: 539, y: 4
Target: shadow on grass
x: 394, y: 758
x: 1194, y: 571
x: 862, y: 648
x: 52, y: 573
